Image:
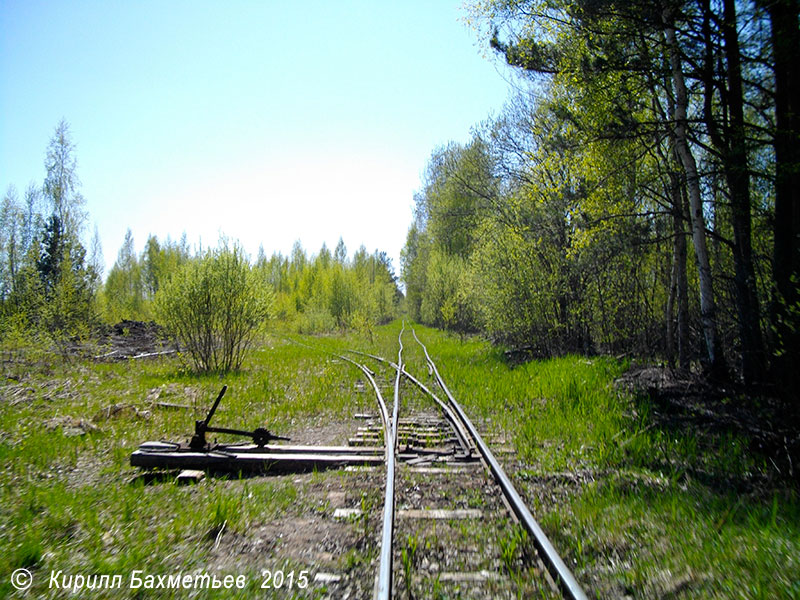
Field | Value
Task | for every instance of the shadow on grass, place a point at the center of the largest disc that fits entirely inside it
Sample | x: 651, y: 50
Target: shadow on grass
x: 720, y: 436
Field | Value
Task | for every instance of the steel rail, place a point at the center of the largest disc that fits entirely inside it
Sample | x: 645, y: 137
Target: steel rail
x: 399, y: 368
x: 458, y: 427
x: 384, y: 587
x: 555, y: 565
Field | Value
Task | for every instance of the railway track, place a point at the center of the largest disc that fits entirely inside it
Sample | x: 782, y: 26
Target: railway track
x: 452, y: 519
x: 452, y: 523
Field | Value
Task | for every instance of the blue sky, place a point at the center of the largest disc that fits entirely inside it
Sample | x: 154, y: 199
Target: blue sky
x: 266, y: 121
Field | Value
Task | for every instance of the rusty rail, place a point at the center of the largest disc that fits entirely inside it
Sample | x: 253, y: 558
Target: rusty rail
x: 461, y: 434
x: 384, y: 588
x: 555, y: 565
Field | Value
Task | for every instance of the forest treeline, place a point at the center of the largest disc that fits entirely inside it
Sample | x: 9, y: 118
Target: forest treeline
x: 52, y: 290
x: 319, y: 293
x: 48, y: 280
x: 640, y: 196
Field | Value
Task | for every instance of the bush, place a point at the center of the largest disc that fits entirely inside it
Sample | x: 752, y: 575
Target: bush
x: 315, y: 320
x: 214, y: 306
x: 448, y: 300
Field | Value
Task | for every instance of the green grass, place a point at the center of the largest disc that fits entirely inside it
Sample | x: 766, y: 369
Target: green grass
x: 656, y: 512
x: 633, y: 508
x: 70, y: 501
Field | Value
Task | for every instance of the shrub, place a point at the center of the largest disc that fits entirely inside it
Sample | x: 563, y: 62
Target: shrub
x: 214, y: 306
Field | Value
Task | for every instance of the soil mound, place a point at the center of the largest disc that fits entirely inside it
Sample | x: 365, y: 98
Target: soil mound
x: 134, y: 339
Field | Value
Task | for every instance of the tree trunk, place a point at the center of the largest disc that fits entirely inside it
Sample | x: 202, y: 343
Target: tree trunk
x: 682, y: 283
x: 735, y: 165
x: 707, y: 307
x: 669, y: 312
x: 678, y: 333
x: 786, y: 258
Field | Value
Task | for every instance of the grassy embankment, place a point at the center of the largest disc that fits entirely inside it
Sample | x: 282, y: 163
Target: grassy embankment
x: 619, y: 497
